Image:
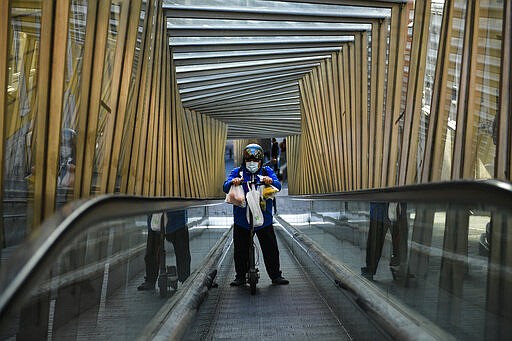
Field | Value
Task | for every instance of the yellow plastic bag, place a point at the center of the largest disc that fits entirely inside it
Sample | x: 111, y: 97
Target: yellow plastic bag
x: 269, y: 192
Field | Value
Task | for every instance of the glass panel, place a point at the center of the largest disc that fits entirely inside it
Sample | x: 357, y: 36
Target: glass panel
x: 19, y: 119
x: 105, y: 108
x: 91, y: 291
x: 487, y: 88
x: 431, y: 259
x: 72, y: 86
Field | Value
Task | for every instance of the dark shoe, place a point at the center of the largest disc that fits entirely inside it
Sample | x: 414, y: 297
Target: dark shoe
x: 280, y: 281
x: 366, y: 274
x: 238, y: 282
x: 146, y: 286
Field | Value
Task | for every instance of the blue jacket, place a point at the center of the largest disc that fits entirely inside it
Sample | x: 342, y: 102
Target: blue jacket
x: 239, y: 213
x: 379, y: 211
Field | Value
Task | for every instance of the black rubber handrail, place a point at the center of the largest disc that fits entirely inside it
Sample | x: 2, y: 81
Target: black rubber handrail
x: 494, y: 193
x: 32, y: 259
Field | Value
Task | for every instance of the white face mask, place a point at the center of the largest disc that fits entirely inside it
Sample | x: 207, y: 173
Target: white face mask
x: 252, y: 166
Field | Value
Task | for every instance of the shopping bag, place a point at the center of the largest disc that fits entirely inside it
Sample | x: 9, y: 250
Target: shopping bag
x: 236, y: 196
x: 68, y: 180
x: 269, y: 192
x: 156, y: 221
x: 253, y: 202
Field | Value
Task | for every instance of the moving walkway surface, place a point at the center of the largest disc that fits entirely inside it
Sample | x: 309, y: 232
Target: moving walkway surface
x: 298, y: 311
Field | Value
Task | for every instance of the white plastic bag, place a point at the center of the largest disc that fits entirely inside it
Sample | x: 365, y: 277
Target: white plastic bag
x: 392, y: 211
x: 156, y: 221
x: 236, y: 196
x: 253, y: 201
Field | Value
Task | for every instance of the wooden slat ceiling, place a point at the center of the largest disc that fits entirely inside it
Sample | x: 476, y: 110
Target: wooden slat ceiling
x: 239, y: 61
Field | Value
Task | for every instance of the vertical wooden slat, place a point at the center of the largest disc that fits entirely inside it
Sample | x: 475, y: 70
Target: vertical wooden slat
x: 58, y: 74
x: 174, y: 131
x: 145, y: 61
x: 463, y: 165
x: 127, y: 168
x: 379, y: 104
x: 353, y: 112
x: 50, y: 90
x: 100, y: 43
x: 187, y: 158
x: 431, y: 169
x: 332, y: 126
x: 358, y: 85
x: 325, y: 126
x: 504, y: 145
x: 394, y: 92
x: 87, y: 70
x: 390, y: 85
x: 336, y: 112
x: 193, y: 157
x: 318, y: 121
x: 5, y: 12
x: 155, y: 113
x: 372, y: 115
x: 41, y: 120
x: 181, y: 149
x: 348, y: 114
x: 146, y: 167
x: 149, y: 170
x: 364, y: 111
x: 126, y: 81
x: 401, y: 36
x: 112, y: 117
x: 343, y: 118
x: 168, y: 174
x: 161, y: 178
x: 413, y: 109
x: 159, y: 110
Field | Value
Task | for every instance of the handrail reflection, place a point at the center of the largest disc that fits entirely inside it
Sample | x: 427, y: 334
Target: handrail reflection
x: 32, y: 259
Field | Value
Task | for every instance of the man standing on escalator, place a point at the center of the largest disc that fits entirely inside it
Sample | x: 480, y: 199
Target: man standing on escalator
x: 252, y: 166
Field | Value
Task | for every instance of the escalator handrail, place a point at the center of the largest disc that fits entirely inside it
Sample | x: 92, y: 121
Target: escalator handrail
x: 490, y: 192
x: 30, y: 261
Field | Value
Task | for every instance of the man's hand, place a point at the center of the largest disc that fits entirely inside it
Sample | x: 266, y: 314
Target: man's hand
x: 267, y: 180
x: 236, y: 181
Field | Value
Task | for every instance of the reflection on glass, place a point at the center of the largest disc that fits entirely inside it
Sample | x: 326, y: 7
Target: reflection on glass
x: 434, y: 258
x: 487, y: 88
x: 72, y: 87
x: 90, y: 290
x: 106, y: 93
x: 19, y: 121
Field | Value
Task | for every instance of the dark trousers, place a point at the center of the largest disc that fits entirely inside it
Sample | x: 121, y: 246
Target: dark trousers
x: 180, y: 242
x: 379, y: 225
x: 375, y: 242
x: 152, y: 257
x: 268, y: 244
